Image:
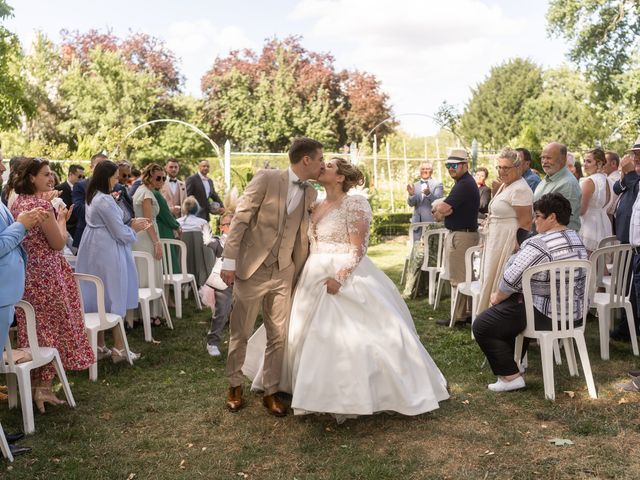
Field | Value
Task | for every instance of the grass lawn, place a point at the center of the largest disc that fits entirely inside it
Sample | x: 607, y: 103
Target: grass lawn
x: 164, y: 418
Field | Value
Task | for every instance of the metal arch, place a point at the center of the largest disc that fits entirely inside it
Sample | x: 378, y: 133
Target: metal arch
x: 191, y: 126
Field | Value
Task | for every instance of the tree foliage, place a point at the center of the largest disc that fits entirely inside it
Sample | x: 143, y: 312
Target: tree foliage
x: 260, y: 101
x: 604, y: 37
x: 495, y: 112
x: 14, y: 101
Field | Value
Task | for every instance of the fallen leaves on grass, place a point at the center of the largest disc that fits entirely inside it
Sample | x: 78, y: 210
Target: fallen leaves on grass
x: 569, y: 393
x: 182, y: 462
x: 131, y: 476
x: 622, y: 400
x: 488, y: 453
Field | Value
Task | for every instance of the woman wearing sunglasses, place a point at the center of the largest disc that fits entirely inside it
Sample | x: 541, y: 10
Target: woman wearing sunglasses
x: 146, y: 205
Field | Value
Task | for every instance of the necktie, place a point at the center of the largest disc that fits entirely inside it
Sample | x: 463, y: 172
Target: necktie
x: 300, y: 183
x: 173, y: 180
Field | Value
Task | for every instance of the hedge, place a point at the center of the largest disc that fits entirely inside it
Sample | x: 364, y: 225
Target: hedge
x: 389, y: 225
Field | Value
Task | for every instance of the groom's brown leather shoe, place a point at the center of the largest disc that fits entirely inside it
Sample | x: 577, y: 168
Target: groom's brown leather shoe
x: 234, y: 399
x: 274, y: 405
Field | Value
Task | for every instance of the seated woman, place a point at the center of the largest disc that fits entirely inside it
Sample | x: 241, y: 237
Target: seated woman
x: 496, y: 328
x: 196, y: 234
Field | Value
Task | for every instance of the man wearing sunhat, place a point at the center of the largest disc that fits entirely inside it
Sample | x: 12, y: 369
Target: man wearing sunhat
x: 460, y: 213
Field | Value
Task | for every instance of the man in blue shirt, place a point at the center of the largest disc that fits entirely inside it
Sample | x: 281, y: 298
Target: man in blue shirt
x: 460, y: 213
x: 531, y: 177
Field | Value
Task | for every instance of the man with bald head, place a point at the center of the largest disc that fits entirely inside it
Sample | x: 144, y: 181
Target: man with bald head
x: 560, y: 180
x: 200, y: 186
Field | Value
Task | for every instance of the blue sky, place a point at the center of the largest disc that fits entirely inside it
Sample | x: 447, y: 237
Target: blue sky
x: 423, y: 51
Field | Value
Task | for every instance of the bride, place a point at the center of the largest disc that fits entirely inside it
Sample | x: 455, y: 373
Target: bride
x: 352, y: 345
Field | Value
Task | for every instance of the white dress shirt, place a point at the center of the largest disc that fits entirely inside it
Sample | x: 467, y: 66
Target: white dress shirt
x: 173, y: 186
x: 205, y: 183
x: 634, y: 225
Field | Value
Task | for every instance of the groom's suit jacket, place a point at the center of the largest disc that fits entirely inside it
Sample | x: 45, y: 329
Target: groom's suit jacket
x: 258, y: 222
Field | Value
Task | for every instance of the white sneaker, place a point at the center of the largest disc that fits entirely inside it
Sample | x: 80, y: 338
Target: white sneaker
x: 213, y: 350
x: 507, y: 386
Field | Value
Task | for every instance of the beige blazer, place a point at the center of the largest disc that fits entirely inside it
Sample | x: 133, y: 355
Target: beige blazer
x: 174, y: 199
x: 258, y: 217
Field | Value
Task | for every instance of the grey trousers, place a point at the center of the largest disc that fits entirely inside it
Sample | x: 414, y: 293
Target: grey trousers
x: 224, y: 302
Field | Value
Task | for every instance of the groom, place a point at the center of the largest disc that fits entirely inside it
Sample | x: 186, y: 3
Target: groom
x: 264, y: 253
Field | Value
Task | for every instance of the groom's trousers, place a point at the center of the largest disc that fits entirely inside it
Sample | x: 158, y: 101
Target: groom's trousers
x: 269, y: 288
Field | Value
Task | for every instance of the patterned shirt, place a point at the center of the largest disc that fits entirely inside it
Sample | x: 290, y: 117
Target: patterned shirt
x: 541, y: 249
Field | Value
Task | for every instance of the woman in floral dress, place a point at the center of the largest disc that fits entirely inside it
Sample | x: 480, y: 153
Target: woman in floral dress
x: 50, y: 286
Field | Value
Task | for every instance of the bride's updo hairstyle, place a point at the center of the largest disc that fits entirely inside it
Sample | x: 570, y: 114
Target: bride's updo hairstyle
x: 352, y: 175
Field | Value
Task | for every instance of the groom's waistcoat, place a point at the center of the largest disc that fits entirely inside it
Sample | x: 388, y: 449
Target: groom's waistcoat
x: 282, y: 251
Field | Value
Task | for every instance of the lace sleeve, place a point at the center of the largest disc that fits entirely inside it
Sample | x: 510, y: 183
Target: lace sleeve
x: 358, y: 222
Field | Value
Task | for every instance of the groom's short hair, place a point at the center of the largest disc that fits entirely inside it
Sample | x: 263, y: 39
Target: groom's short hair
x: 302, y: 147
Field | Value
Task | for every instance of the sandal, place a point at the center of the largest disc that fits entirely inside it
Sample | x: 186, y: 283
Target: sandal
x: 118, y: 356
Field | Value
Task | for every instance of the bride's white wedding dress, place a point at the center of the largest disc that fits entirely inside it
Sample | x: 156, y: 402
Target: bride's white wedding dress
x: 356, y: 352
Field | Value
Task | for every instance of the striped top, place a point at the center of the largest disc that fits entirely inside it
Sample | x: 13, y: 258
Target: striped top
x: 544, y: 248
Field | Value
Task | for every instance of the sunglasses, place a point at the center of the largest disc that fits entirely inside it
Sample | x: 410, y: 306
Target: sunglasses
x: 160, y: 177
x: 452, y: 166
x: 81, y: 177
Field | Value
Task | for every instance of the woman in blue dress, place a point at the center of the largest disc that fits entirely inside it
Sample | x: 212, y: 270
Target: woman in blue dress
x: 105, y: 251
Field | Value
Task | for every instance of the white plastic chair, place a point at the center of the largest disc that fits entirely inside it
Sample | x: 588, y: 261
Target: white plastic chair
x: 603, y: 276
x: 40, y: 356
x: 562, y: 276
x: 616, y: 295
x: 152, y: 292
x: 435, y: 272
x: 178, y: 279
x: 471, y: 286
x: 99, y: 321
x: 4, y: 446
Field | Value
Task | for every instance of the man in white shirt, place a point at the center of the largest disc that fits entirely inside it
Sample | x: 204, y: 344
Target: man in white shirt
x: 174, y: 191
x: 200, y: 186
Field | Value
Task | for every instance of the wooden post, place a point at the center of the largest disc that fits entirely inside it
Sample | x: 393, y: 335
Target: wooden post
x: 375, y: 161
x: 393, y: 206
x: 227, y: 164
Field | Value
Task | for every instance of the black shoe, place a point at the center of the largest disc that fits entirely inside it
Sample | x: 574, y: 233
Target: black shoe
x: 620, y: 336
x: 14, y: 437
x: 16, y: 450
x: 634, y: 373
x: 444, y: 322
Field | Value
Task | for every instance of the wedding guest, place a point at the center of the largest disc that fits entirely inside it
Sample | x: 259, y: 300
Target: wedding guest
x: 78, y: 196
x: 460, y: 213
x: 74, y: 175
x: 124, y: 201
x: 201, y: 187
x: 135, y: 181
x: 596, y: 200
x: 8, y: 193
x: 421, y: 194
x: 496, y: 328
x: 509, y: 212
x: 174, y: 191
x: 146, y: 206
x: 108, y: 238
x: 612, y: 167
x: 215, y: 293
x: 531, y: 177
x: 168, y: 226
x: 485, y: 192
x: 574, y: 166
x: 559, y: 179
x: 196, y: 233
x: 50, y: 286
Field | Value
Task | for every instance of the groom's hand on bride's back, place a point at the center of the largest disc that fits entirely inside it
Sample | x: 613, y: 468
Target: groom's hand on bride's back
x: 228, y: 276
x: 333, y: 286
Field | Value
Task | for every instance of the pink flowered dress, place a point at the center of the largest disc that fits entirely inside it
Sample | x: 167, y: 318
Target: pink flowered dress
x: 51, y: 289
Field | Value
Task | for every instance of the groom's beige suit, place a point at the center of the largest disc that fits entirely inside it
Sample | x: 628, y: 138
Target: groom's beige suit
x: 269, y: 243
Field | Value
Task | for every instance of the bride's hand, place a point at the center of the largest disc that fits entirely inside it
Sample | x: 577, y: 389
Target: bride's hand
x: 333, y: 286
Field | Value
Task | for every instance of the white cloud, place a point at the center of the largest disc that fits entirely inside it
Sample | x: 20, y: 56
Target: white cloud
x: 425, y: 51
x: 197, y: 43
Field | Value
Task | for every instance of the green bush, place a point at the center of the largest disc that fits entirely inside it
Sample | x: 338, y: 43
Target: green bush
x: 388, y: 224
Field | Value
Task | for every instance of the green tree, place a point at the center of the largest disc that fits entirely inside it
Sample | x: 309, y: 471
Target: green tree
x: 14, y: 101
x: 494, y: 113
x: 563, y: 112
x: 603, y: 36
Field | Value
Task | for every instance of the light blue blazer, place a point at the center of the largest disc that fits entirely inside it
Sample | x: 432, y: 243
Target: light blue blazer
x: 13, y: 258
x: 422, y: 203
